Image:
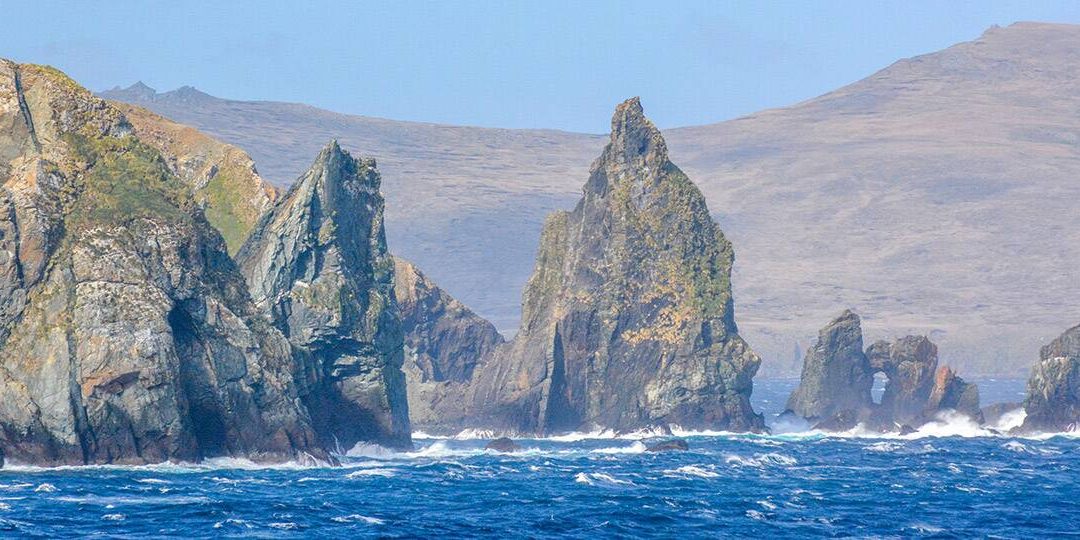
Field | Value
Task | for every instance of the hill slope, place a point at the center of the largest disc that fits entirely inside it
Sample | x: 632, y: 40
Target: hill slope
x: 936, y: 196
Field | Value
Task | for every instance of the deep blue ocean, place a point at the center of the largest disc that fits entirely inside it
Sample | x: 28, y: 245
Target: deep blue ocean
x: 951, y: 480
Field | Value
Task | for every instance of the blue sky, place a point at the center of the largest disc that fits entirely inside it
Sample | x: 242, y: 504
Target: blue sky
x: 549, y: 64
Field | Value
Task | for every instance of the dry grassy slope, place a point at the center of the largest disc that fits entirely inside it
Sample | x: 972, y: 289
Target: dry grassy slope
x: 222, y: 177
x: 938, y: 195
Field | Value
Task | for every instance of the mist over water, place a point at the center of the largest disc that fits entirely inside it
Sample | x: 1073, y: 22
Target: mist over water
x: 937, y: 482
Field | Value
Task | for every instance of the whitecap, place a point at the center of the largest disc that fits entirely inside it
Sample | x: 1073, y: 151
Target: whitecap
x: 284, y: 526
x: 114, y: 517
x: 761, y: 460
x: 385, y: 473
x: 754, y: 514
x: 152, y: 481
x: 693, y: 470
x: 45, y: 488
x: 602, y: 479
x: 885, y: 446
x: 354, y: 518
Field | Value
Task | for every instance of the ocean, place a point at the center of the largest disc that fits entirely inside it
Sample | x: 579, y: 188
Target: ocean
x: 952, y: 479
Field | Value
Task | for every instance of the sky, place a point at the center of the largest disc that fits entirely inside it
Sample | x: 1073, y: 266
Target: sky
x: 543, y: 64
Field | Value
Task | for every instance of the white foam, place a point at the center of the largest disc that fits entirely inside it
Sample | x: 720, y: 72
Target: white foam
x: 355, y: 518
x: 693, y: 470
x: 114, y: 517
x: 361, y: 473
x: 600, y: 479
x: 761, y: 460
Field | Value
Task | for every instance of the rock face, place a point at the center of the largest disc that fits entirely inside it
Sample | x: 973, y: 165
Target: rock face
x: 836, y: 374
x: 317, y: 263
x: 1053, y: 392
x: 952, y: 392
x: 628, y: 319
x: 126, y: 333
x: 837, y: 379
x: 444, y: 343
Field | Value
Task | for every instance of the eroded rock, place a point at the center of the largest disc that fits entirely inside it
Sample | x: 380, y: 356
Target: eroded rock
x: 318, y: 266
x: 1053, y: 391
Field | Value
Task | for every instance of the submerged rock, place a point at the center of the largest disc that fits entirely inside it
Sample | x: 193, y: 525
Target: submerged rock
x: 318, y: 265
x: 503, y: 444
x: 1053, y: 391
x: 628, y: 319
x: 127, y: 334
x: 836, y: 376
x: 670, y: 445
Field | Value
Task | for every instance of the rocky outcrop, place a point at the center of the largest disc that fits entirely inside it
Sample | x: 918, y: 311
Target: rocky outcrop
x: 836, y: 376
x: 317, y: 264
x: 670, y: 445
x: 837, y: 379
x: 222, y: 178
x: 126, y: 333
x: 1053, y: 391
x: 444, y: 343
x: 503, y: 444
x: 628, y: 319
x: 952, y: 392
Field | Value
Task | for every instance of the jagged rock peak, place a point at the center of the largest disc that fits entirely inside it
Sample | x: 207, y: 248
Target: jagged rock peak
x: 836, y: 375
x: 318, y: 264
x: 634, y: 138
x: 628, y: 318
x: 1053, y: 391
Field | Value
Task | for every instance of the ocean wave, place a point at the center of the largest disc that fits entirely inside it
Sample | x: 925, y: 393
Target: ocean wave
x: 357, y: 518
x: 761, y: 460
x: 361, y: 473
x: 600, y: 479
x: 699, y: 471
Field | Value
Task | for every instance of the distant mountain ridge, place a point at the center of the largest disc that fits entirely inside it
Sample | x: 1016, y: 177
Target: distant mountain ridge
x: 937, y: 196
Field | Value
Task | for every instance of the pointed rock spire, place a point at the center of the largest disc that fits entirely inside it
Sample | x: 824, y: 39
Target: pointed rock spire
x: 318, y: 265
x: 627, y: 321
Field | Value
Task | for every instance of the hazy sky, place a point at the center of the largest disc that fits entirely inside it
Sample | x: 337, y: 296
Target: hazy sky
x: 538, y: 64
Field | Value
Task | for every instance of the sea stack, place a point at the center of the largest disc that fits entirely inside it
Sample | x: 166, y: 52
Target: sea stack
x: 126, y: 332
x: 1053, y: 391
x: 838, y: 376
x: 628, y: 319
x: 318, y: 265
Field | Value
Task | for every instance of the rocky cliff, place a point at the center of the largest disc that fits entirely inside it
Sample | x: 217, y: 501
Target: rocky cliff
x: 628, y: 319
x: 444, y: 343
x: 126, y: 332
x: 1053, y: 392
x: 317, y: 263
x: 838, y: 376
